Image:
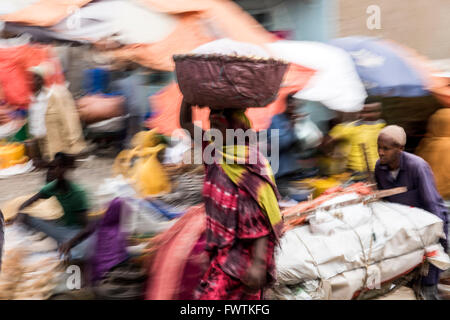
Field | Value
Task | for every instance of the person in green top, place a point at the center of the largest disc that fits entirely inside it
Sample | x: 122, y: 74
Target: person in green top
x: 72, y: 230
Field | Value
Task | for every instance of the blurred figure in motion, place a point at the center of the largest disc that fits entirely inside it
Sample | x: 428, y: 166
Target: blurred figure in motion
x: 2, y: 237
x: 350, y: 135
x: 71, y: 229
x: 127, y: 82
x: 53, y: 117
x: 291, y: 149
x: 397, y: 168
x: 243, y: 220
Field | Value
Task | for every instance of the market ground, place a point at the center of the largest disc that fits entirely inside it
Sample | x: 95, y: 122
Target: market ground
x: 91, y: 174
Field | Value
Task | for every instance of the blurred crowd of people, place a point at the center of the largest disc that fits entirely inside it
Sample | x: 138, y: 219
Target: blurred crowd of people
x: 62, y: 104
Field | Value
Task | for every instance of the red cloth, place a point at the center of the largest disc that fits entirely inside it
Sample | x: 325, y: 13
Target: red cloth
x: 233, y: 221
x: 14, y: 77
x: 217, y: 285
x: 196, y: 266
x: 175, y: 250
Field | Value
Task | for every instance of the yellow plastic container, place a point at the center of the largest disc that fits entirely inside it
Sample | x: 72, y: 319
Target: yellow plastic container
x: 12, y: 154
x: 320, y: 185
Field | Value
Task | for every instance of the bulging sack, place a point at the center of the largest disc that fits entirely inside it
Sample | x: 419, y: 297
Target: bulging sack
x: 96, y: 108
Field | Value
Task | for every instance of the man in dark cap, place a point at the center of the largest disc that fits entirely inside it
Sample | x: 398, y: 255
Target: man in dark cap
x: 397, y: 168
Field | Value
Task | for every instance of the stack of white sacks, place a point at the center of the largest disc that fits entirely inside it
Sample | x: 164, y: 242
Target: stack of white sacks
x: 344, y: 250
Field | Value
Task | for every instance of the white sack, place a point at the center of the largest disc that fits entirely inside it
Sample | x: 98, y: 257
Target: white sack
x: 392, y: 231
x: 336, y: 83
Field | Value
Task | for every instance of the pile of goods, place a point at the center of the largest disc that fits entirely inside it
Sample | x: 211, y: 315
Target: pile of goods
x: 31, y: 268
x: 98, y: 108
x: 353, y: 242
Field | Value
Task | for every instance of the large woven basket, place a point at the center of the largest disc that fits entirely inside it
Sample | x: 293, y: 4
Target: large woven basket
x: 224, y: 81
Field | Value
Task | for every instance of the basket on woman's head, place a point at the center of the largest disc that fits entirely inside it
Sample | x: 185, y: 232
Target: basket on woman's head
x: 227, y: 81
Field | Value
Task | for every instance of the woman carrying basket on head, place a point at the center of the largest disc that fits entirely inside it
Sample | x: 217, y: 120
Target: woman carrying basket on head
x: 243, y: 220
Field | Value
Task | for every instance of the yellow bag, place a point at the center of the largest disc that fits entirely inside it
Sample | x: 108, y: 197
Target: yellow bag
x: 121, y: 163
x: 145, y: 139
x: 150, y: 177
x: 141, y: 164
x: 124, y: 164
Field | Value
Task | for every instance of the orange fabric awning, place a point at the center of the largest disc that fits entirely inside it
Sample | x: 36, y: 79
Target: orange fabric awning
x: 200, y: 21
x: 227, y: 18
x: 188, y: 35
x: 44, y: 13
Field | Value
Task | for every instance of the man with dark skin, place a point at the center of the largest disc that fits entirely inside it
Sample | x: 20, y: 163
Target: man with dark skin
x: 397, y: 168
x: 389, y: 151
x: 73, y: 227
x: 37, y: 83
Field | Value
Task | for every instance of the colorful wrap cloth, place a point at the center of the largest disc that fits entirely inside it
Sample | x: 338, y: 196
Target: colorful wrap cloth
x: 256, y: 179
x: 249, y: 170
x: 178, y: 259
x: 110, y: 247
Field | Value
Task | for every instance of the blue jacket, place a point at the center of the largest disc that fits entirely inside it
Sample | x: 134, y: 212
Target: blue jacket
x: 289, y: 151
